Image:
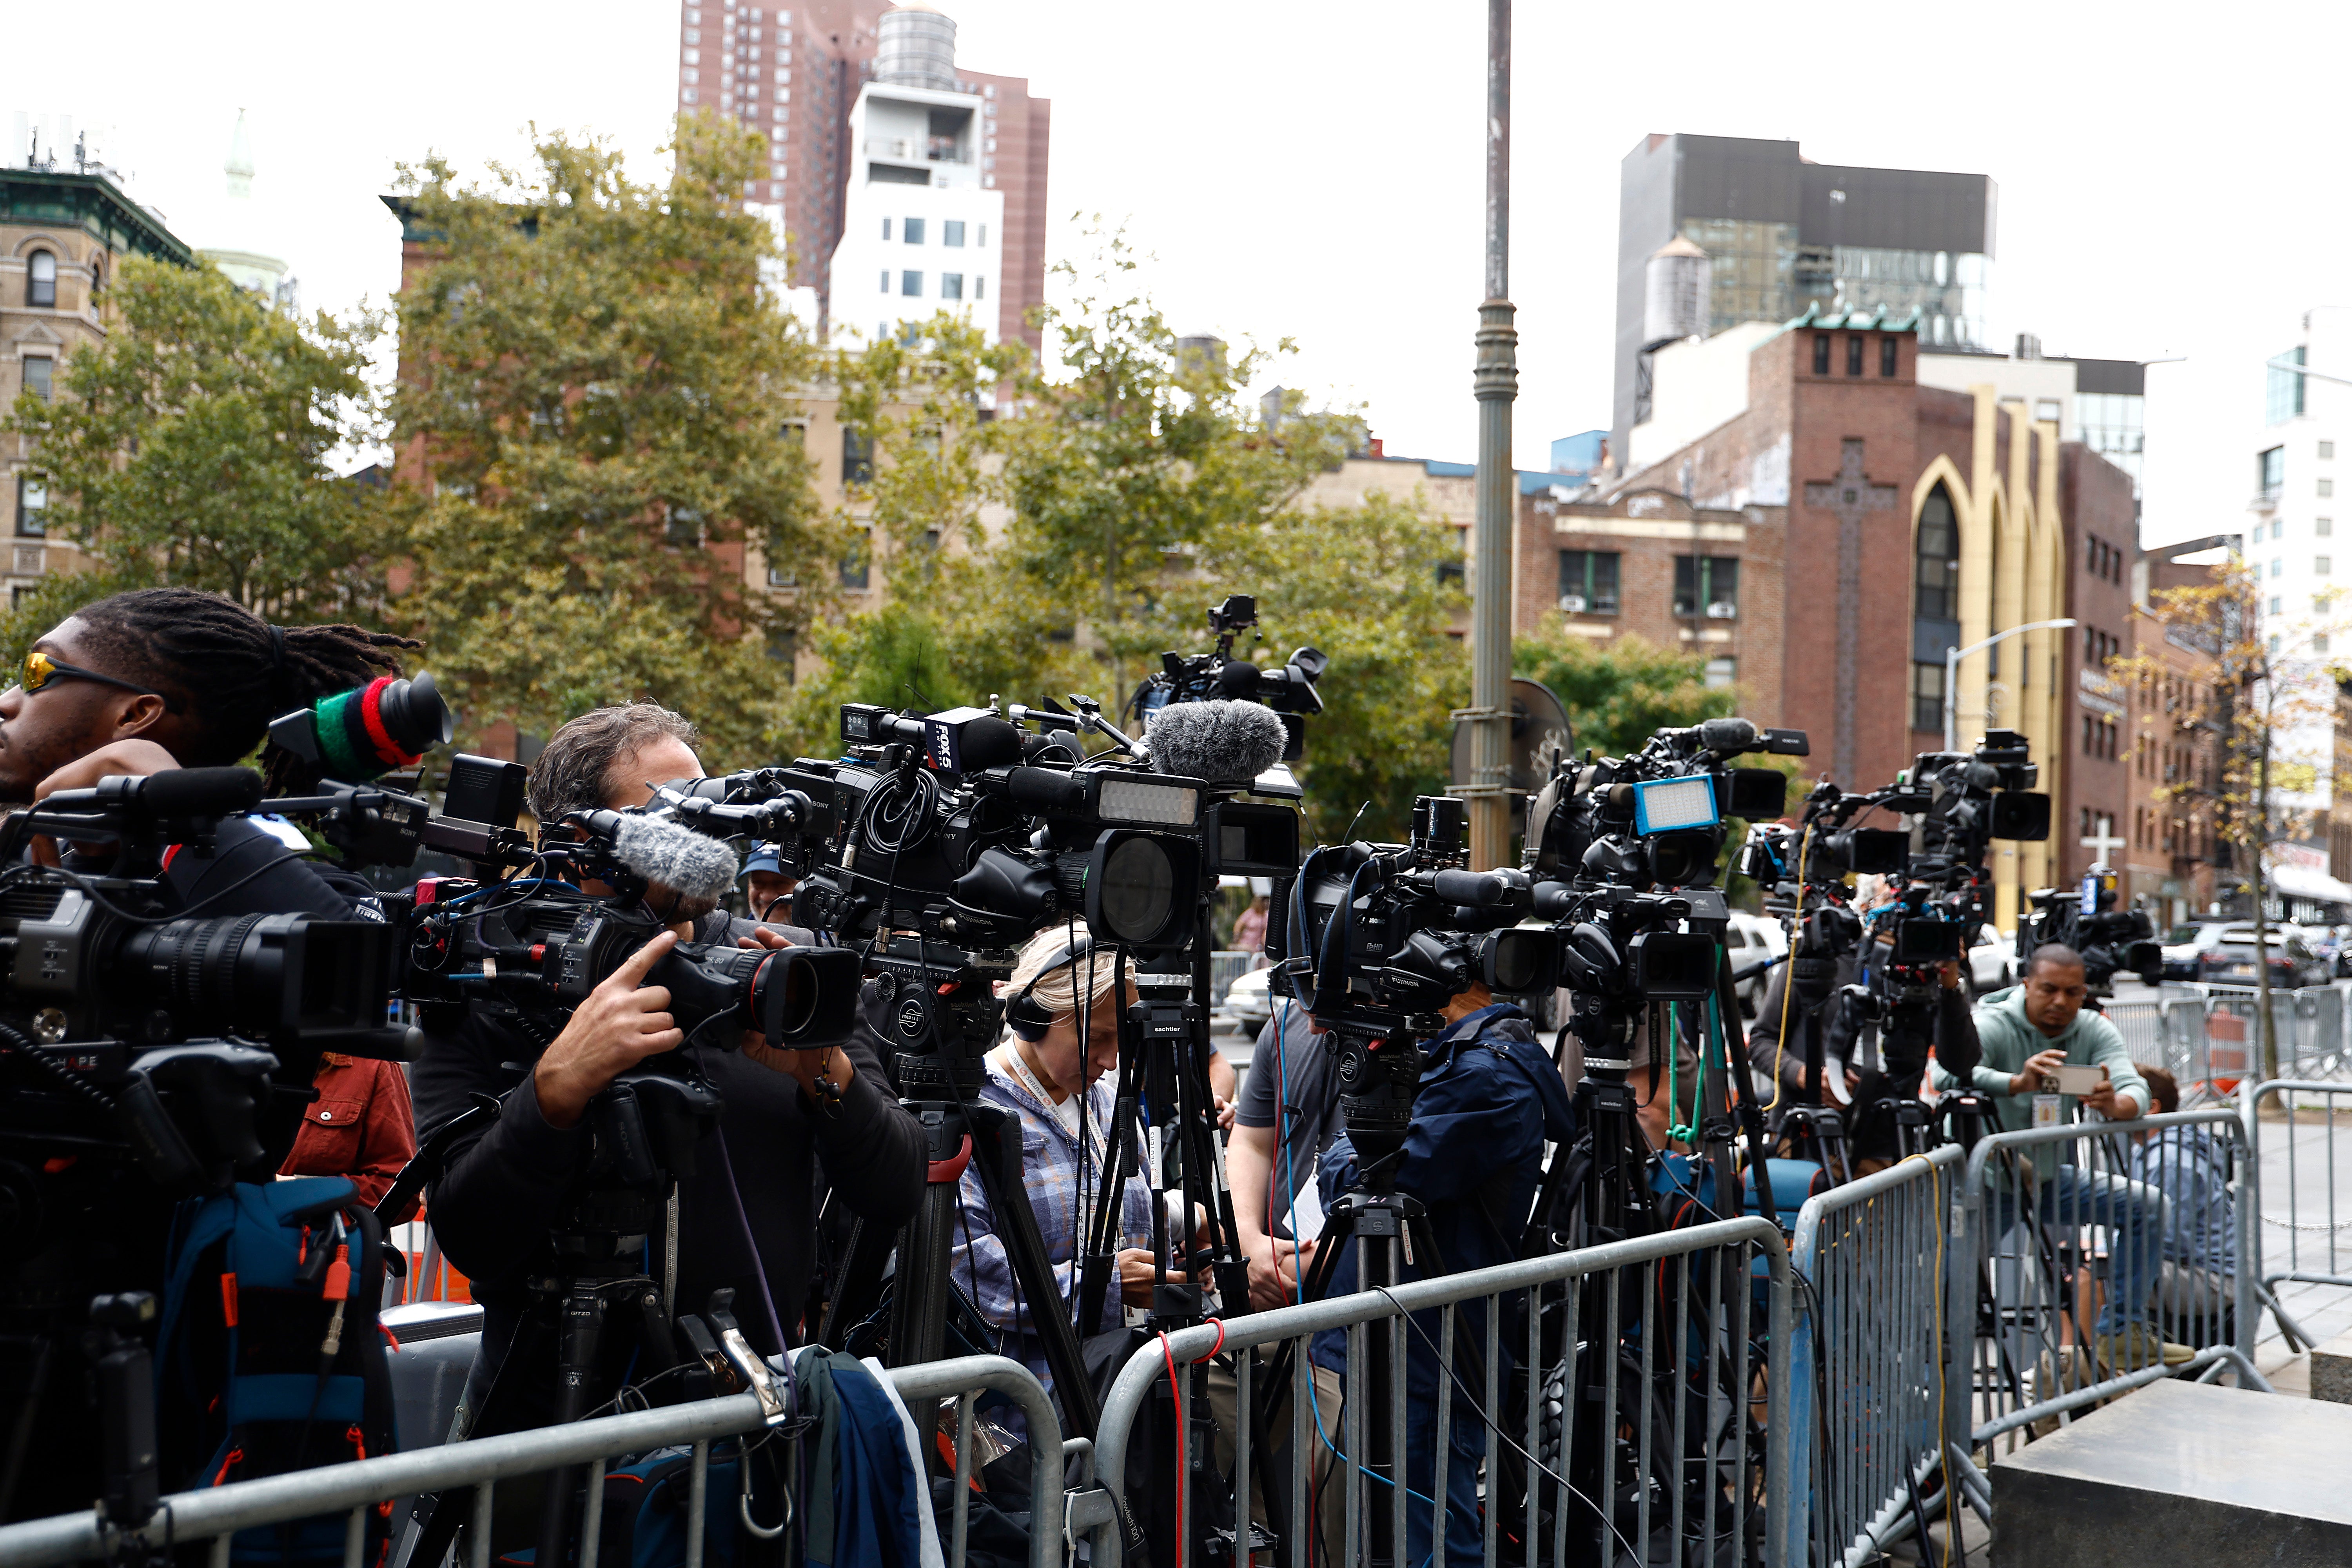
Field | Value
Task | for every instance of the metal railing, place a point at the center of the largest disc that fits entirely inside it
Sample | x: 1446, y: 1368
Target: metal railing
x: 1872, y: 1261
x: 2083, y: 1250
x: 1648, y: 1360
x: 355, y: 1489
x: 2298, y: 1210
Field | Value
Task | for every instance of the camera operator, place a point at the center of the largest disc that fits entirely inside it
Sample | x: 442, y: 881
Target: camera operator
x: 137, y: 684
x: 1489, y: 1099
x: 744, y: 1218
x: 2029, y: 1032
x: 767, y: 886
x: 1054, y: 1080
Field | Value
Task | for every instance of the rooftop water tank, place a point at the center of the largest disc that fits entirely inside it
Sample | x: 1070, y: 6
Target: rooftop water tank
x: 1675, y: 298
x: 914, y: 47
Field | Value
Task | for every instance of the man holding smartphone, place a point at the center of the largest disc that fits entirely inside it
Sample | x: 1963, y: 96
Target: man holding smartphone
x: 2038, y: 1041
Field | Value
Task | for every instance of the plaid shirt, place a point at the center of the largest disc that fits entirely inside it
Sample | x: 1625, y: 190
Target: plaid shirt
x: 1050, y: 1166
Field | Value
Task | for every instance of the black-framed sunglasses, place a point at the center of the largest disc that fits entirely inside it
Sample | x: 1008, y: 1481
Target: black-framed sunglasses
x: 41, y: 671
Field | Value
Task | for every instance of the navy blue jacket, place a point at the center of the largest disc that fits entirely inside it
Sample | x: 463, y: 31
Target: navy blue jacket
x: 1489, y: 1099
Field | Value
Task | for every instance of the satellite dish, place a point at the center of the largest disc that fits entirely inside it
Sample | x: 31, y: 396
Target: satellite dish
x: 1540, y: 735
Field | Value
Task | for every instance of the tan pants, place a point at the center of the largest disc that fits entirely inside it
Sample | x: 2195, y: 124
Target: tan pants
x: 1323, y: 1477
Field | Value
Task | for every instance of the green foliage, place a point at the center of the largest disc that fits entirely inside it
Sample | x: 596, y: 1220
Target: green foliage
x: 1617, y: 692
x: 193, y: 447
x: 596, y: 382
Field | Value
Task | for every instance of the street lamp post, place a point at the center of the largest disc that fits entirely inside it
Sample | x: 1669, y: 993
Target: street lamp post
x: 1496, y: 383
x: 1952, y: 658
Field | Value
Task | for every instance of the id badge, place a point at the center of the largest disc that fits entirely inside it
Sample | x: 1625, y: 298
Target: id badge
x: 2045, y: 1109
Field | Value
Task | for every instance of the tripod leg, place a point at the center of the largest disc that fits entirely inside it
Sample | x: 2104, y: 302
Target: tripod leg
x: 578, y: 1338
x: 918, y: 1301
x: 999, y: 1160
x: 860, y: 1284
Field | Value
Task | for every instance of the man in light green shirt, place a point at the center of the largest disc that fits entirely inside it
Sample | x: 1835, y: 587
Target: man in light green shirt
x: 2028, y: 1033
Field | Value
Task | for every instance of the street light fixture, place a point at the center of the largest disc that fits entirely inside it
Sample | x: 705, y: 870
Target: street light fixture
x: 1952, y: 658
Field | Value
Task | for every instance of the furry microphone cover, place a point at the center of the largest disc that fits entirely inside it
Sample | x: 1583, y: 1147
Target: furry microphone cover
x: 677, y: 858
x: 1218, y: 741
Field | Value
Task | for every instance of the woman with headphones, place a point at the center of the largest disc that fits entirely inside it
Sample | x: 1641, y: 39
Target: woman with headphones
x: 1054, y: 1069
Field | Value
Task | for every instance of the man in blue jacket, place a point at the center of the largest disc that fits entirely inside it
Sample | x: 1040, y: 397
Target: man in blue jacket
x: 2028, y: 1033
x: 1489, y: 1099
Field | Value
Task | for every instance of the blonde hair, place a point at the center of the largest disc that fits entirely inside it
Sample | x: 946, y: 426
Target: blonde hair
x: 1059, y: 993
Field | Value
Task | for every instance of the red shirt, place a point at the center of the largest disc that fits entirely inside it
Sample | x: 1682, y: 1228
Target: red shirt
x: 360, y: 1125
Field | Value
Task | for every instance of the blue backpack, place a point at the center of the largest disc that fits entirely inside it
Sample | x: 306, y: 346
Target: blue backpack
x: 270, y: 1357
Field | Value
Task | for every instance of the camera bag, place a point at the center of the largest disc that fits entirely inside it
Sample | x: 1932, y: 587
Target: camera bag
x: 270, y: 1358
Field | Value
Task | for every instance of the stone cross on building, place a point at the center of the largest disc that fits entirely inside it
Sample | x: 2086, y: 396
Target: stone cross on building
x: 1848, y: 497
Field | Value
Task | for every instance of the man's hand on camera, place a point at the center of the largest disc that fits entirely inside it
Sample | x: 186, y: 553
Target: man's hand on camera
x: 132, y: 758
x: 623, y: 1022
x: 822, y: 1075
x: 2039, y: 1065
x: 1137, y: 1275
x: 1273, y: 1269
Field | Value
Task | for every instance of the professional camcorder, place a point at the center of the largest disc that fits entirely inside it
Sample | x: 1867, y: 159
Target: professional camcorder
x: 2110, y: 939
x: 1289, y: 688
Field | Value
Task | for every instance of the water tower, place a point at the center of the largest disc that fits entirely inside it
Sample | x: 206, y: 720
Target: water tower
x: 1676, y: 296
x: 914, y: 47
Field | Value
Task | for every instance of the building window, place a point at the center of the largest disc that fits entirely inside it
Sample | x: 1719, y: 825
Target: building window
x: 979, y: 287
x: 911, y: 284
x: 982, y: 240
x: 2270, y: 472
x: 2327, y: 488
x: 1820, y: 354
x: 2278, y: 566
x: 2324, y: 527
x: 886, y: 228
x: 1939, y: 559
x: 1587, y: 581
x: 856, y: 567
x: 886, y: 280
x: 2282, y: 390
x: 32, y: 507
x: 1886, y: 356
x: 857, y: 458
x: 1722, y: 673
x: 2277, y: 600
x: 1927, y: 695
x: 952, y: 231
x: 1707, y: 585
x: 41, y: 280
x: 1854, y: 355
x: 2322, y: 565
x: 951, y: 284
x: 2319, y: 642
x: 914, y: 231
x: 2278, y: 528
x: 2327, y: 450
x: 38, y: 377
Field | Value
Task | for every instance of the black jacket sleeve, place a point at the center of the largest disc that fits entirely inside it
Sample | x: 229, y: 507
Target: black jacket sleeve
x: 871, y: 1148
x: 251, y: 871
x: 498, y: 1195
x: 1764, y: 1052
x: 1958, y: 1048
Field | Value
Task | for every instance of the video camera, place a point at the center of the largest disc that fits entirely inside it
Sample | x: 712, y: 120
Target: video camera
x: 2110, y: 939
x: 1289, y: 688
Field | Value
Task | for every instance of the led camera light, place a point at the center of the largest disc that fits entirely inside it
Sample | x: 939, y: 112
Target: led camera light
x: 1147, y: 802
x: 1662, y: 805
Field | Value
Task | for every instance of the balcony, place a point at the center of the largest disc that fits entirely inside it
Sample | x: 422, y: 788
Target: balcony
x: 917, y: 149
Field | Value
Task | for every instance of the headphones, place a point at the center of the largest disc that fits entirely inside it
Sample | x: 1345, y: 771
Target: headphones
x: 1025, y: 1015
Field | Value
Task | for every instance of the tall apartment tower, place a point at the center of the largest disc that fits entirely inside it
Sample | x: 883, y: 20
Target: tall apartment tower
x: 1781, y: 233
x: 794, y: 73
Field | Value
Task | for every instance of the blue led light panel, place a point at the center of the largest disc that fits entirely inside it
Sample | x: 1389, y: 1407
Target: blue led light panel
x: 1661, y: 806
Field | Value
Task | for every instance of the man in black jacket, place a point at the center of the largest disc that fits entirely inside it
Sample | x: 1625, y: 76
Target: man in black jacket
x: 744, y: 1217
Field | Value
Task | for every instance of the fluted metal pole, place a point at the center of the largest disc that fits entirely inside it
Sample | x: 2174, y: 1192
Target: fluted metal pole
x: 1496, y: 383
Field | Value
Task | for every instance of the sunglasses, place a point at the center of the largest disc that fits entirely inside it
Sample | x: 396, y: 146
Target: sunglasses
x: 41, y: 671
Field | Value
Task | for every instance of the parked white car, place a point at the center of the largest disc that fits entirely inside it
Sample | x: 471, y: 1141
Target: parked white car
x: 1751, y: 940
x: 1992, y: 961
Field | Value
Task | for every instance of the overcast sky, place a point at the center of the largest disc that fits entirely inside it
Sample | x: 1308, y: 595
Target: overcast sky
x: 2170, y: 181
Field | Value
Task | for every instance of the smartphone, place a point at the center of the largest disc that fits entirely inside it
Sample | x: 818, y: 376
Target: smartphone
x: 2078, y: 1080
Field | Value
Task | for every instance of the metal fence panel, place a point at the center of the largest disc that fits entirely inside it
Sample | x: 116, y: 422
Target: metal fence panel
x: 215, y: 1515
x: 2090, y: 1246
x: 1646, y: 1359
x: 1871, y: 1261
x: 2299, y: 1206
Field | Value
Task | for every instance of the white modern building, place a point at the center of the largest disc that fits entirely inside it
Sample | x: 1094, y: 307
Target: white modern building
x: 243, y: 236
x: 921, y: 230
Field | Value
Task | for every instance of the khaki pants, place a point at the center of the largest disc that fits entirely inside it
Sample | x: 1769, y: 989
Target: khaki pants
x: 1323, y: 1477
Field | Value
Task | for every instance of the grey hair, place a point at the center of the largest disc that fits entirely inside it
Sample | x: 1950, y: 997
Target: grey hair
x: 1092, y: 975
x: 570, y: 774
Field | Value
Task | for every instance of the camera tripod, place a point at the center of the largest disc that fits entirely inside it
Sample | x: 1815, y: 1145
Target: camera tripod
x: 647, y: 1124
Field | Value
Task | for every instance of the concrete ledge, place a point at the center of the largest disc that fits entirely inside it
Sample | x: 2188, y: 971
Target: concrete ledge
x: 2331, y: 1371
x: 2181, y: 1472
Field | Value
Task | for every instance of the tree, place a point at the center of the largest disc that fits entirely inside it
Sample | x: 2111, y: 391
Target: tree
x: 2273, y: 687
x: 195, y: 448
x: 1617, y: 692
x: 595, y: 415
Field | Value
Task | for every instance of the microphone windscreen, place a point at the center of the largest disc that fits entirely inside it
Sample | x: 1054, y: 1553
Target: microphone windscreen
x: 200, y: 792
x: 677, y: 858
x: 1214, y: 741
x: 1726, y: 734
x: 989, y: 743
x: 1239, y: 677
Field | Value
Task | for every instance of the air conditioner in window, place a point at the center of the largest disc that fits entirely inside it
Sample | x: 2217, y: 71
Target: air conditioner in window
x: 1573, y: 603
x: 1723, y: 610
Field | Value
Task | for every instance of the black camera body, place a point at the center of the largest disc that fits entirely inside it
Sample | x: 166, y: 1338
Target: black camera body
x: 1288, y: 688
x: 2112, y: 940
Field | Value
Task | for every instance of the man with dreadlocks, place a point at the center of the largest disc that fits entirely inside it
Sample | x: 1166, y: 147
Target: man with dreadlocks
x: 136, y: 684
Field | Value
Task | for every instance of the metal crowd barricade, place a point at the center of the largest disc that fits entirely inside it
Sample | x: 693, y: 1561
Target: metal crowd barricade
x: 1679, y: 1450
x: 215, y: 1515
x: 2299, y: 1208
x: 1872, y: 1261
x: 2133, y: 1222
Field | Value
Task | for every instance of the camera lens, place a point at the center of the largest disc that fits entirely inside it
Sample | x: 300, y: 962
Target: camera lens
x: 277, y: 976
x: 807, y: 996
x: 1138, y: 890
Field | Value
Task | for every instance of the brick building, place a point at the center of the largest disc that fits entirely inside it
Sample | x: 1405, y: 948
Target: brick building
x: 2174, y: 853
x: 62, y: 228
x: 792, y: 72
